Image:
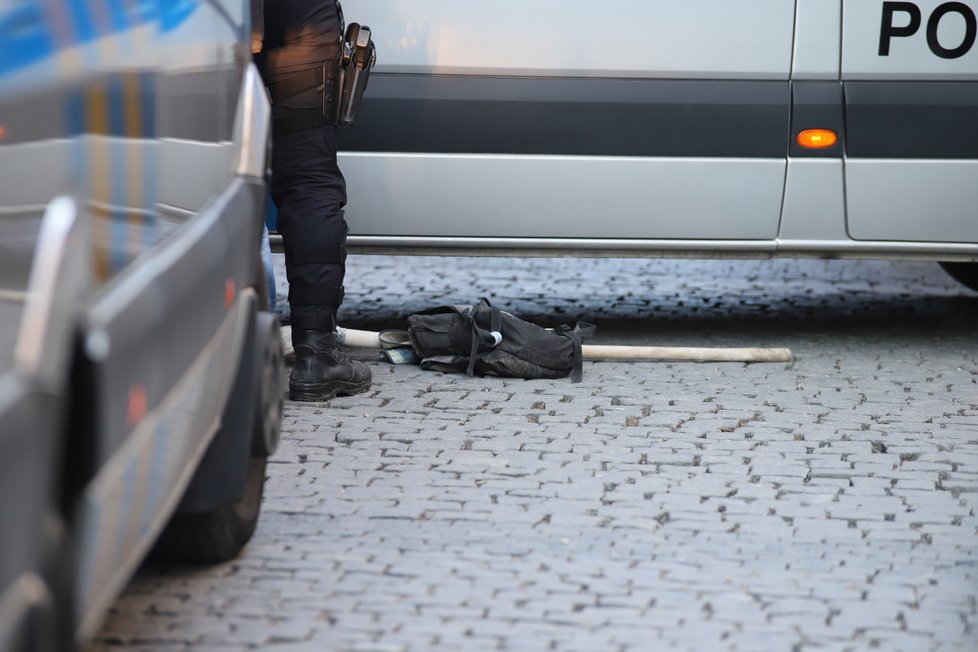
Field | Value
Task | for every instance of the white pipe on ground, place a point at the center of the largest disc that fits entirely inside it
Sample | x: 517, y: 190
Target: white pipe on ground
x: 596, y: 353
x: 358, y: 339
x: 682, y: 354
x: 387, y: 340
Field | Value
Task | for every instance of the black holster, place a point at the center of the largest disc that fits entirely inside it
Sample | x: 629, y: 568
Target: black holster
x: 359, y: 56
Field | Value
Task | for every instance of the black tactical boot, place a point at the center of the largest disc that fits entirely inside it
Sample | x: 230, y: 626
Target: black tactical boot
x: 322, y: 370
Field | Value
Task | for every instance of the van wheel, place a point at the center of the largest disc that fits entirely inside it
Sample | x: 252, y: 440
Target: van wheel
x: 267, y: 429
x: 218, y: 535
x: 965, y: 273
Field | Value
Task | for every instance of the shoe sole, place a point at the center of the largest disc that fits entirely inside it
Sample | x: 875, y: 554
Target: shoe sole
x: 317, y: 393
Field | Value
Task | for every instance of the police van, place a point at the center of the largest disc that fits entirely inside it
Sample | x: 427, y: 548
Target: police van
x: 140, y: 370
x: 826, y: 128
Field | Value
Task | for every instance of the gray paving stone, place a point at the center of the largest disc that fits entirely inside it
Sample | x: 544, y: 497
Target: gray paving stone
x: 828, y: 504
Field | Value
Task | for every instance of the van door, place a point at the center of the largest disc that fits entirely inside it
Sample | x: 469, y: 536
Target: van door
x: 910, y: 71
x: 658, y: 119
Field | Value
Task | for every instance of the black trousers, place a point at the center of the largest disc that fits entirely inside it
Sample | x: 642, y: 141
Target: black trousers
x: 309, y: 191
x: 307, y: 186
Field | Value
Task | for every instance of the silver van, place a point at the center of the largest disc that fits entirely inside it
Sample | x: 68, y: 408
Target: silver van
x: 140, y: 373
x: 827, y: 128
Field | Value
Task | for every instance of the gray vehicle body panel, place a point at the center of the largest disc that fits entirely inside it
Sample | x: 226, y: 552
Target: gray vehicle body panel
x: 623, y: 131
x: 157, y: 130
x: 912, y: 166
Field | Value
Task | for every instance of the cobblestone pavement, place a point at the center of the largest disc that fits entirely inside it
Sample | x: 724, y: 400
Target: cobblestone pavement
x: 825, y: 504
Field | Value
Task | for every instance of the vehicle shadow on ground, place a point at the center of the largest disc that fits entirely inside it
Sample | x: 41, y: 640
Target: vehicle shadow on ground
x: 736, y: 319
x: 672, y: 299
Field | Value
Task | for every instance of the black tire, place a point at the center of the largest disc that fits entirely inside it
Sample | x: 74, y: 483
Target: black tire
x: 964, y: 273
x: 61, y: 574
x: 267, y: 428
x: 218, y: 535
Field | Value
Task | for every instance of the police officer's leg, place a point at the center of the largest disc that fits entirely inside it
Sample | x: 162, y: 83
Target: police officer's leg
x: 310, y: 193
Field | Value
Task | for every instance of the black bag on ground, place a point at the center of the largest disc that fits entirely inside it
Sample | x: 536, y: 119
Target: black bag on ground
x: 484, y: 339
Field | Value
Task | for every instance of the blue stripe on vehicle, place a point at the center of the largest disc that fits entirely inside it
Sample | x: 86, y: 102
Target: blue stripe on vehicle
x: 145, y: 12
x: 27, y: 34
x: 25, y: 37
x: 174, y: 12
x: 82, y: 21
x: 118, y: 15
x: 147, y: 91
x: 75, y: 113
x: 117, y: 106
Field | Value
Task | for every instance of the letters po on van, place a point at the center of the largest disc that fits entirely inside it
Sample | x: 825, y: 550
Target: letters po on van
x: 904, y: 20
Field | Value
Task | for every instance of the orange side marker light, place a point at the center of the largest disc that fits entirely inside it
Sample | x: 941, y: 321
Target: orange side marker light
x: 138, y: 404
x: 818, y: 138
x: 230, y: 292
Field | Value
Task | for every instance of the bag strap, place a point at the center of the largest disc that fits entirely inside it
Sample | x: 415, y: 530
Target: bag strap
x: 495, y: 317
x: 474, y: 350
x: 483, y: 339
x: 580, y: 331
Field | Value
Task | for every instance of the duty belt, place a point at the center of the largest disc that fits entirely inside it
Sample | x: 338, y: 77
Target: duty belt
x: 341, y: 83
